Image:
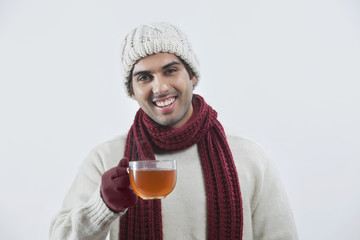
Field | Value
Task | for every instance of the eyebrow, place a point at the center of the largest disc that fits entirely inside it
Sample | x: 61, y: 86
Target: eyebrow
x: 164, y: 67
x: 170, y: 64
x: 140, y: 72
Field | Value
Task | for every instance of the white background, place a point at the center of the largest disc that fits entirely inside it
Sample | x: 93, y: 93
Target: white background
x: 282, y: 73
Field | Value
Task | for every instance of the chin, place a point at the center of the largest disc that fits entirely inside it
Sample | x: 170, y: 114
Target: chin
x: 166, y: 122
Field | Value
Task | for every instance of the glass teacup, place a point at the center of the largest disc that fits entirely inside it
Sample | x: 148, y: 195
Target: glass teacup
x: 152, y: 179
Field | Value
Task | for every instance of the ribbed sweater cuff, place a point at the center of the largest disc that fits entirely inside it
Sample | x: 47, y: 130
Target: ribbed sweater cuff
x: 98, y: 212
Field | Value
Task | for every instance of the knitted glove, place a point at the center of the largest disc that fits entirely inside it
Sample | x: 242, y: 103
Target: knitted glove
x: 115, y: 188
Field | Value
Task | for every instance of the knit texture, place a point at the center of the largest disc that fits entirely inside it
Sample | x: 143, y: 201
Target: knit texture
x: 146, y: 40
x: 224, y: 203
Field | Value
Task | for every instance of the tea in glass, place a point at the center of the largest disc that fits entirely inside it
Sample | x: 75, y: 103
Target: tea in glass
x: 152, y: 179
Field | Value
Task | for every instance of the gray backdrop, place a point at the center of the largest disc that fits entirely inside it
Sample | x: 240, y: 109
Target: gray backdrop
x: 282, y: 73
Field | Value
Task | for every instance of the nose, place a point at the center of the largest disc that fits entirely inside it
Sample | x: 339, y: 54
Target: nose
x: 160, y: 85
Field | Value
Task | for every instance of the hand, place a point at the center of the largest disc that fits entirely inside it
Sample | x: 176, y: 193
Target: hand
x: 115, y: 188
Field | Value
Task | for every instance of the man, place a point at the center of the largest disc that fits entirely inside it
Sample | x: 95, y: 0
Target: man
x: 226, y: 187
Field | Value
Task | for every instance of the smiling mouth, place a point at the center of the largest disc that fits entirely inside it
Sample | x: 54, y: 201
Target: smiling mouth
x: 164, y: 103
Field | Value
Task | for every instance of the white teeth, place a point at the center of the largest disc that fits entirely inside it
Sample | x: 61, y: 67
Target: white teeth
x: 165, y: 103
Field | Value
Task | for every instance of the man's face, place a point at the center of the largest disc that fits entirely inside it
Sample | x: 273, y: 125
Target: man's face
x: 163, y: 89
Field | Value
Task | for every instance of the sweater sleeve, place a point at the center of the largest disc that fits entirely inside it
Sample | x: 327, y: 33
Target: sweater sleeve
x: 84, y: 215
x: 272, y: 216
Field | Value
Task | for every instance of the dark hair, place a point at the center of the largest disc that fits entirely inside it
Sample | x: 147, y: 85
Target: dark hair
x: 128, y: 82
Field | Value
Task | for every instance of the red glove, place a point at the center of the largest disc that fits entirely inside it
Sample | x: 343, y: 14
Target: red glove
x: 115, y: 188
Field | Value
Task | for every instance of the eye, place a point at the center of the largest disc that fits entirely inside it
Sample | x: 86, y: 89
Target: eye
x: 170, y: 71
x: 143, y: 78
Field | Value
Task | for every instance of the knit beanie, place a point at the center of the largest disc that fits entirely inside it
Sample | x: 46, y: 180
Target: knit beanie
x: 154, y: 38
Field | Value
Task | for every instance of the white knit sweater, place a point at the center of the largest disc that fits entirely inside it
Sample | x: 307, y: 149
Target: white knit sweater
x: 266, y: 210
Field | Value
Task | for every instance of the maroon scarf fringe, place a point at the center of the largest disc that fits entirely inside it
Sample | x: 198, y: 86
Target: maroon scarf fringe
x: 224, y: 202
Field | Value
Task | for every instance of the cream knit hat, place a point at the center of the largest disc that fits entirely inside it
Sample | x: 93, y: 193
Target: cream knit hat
x: 146, y: 40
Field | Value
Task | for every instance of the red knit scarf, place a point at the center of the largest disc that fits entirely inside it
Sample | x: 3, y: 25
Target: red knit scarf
x: 224, y: 204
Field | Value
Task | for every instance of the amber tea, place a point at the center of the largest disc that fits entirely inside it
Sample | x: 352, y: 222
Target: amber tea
x: 152, y: 179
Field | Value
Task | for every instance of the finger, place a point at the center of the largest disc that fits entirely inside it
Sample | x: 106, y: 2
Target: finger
x: 121, y: 182
x: 124, y: 163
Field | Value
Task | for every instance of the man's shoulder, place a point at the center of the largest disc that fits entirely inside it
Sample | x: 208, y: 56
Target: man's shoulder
x: 243, y: 143
x: 247, y: 152
x: 107, y: 154
x: 115, y: 144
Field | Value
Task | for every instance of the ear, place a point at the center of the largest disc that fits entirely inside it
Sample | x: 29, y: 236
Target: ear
x: 194, y: 80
